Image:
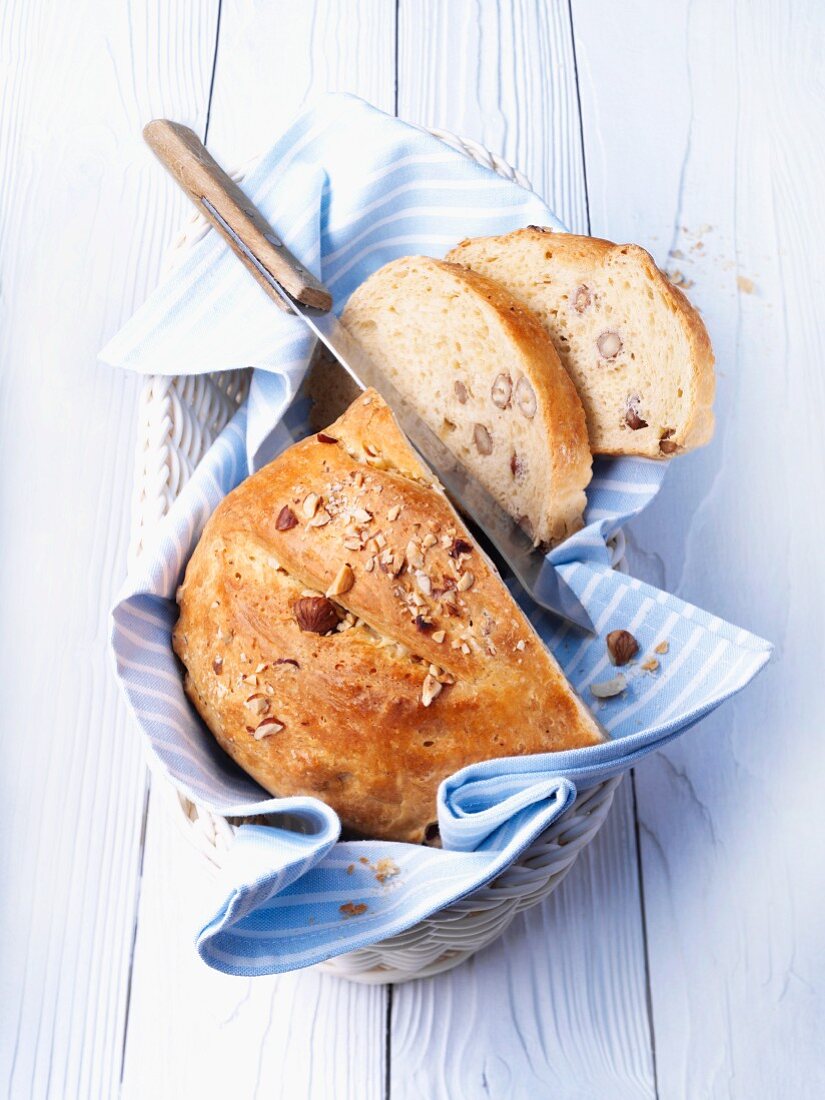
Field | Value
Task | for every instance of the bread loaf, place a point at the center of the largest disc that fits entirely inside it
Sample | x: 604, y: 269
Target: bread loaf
x: 344, y: 637
x: 482, y: 373
x: 634, y: 346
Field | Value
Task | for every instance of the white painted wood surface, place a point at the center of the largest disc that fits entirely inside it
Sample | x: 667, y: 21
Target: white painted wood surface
x: 83, y: 215
x: 729, y: 158
x: 221, y: 1035
x: 683, y: 956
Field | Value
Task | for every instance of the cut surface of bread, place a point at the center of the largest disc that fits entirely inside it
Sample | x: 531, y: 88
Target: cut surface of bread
x: 634, y: 346
x: 481, y: 372
x: 345, y: 638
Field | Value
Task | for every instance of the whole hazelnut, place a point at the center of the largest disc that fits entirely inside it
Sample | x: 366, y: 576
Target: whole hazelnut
x: 483, y: 440
x: 621, y: 646
x: 315, y: 614
x: 501, y: 390
x: 526, y: 398
x: 609, y: 345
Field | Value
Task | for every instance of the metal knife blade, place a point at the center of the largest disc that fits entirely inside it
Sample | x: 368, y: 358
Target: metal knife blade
x: 291, y: 286
x: 530, y: 567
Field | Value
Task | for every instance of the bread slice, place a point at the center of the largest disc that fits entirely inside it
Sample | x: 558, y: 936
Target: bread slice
x: 634, y: 346
x: 344, y: 636
x: 480, y: 370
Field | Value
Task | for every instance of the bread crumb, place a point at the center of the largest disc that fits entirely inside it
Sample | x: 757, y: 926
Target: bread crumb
x: 386, y: 868
x: 746, y: 285
x: 351, y: 869
x: 352, y: 909
x: 678, y: 279
x: 650, y: 666
x: 662, y: 647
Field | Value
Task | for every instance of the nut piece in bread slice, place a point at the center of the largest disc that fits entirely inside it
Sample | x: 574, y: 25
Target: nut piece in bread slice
x: 480, y: 370
x: 365, y: 658
x: 634, y: 346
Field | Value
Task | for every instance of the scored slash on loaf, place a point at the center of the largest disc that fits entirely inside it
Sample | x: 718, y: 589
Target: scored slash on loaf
x: 366, y: 659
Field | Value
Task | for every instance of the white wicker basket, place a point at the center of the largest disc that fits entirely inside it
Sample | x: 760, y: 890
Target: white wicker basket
x: 179, y: 418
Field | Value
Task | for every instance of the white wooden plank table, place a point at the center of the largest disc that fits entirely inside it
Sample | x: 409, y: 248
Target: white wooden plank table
x: 684, y: 955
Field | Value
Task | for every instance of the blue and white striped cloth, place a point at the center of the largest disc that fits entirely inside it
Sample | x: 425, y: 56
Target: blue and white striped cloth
x: 349, y: 189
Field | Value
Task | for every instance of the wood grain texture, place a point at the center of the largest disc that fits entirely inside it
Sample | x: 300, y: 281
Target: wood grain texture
x: 529, y: 1017
x: 553, y: 1008
x: 81, y: 215
x: 722, y: 167
x: 702, y: 138
x: 275, y: 57
x: 504, y: 74
x: 303, y: 1035
x: 195, y: 1032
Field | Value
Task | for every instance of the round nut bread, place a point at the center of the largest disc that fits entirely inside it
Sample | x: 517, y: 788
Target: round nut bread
x: 480, y: 370
x: 344, y: 637
x: 636, y: 349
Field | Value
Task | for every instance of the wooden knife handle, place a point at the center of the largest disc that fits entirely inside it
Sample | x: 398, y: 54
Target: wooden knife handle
x: 182, y: 152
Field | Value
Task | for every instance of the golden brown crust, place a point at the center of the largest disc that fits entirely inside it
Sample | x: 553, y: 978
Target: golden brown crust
x: 344, y: 712
x: 699, y: 429
x: 590, y: 252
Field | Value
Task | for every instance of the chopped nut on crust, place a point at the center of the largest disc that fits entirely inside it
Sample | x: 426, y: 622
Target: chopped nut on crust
x: 267, y: 728
x: 257, y: 702
x: 286, y: 519
x: 465, y: 581
x: 311, y: 505
x: 430, y: 690
x: 424, y: 583
x: 414, y: 555
x: 459, y: 547
x: 344, y: 580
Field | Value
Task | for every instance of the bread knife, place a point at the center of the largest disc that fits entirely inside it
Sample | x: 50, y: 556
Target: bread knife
x: 293, y: 288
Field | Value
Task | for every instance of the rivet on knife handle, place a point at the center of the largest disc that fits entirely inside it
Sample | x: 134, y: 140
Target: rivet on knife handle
x: 182, y: 152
